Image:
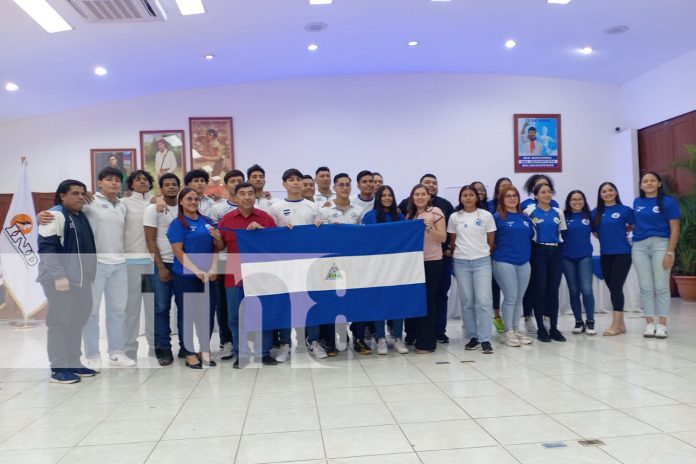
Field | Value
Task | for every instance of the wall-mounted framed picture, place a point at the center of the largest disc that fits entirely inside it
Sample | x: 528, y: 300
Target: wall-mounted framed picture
x: 122, y: 159
x: 162, y: 152
x: 538, y: 143
x: 212, y: 146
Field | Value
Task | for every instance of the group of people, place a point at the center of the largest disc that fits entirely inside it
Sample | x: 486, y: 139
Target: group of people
x: 182, y: 244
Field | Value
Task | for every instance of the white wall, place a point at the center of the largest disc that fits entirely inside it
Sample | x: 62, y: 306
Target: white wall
x: 660, y: 94
x: 457, y: 126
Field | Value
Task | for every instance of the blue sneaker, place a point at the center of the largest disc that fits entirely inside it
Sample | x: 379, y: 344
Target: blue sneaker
x: 63, y: 376
x: 83, y: 371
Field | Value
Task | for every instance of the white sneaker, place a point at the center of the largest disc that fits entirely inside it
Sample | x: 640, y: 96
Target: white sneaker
x: 661, y: 331
x: 650, y: 330
x: 317, y: 350
x: 121, y: 360
x: 226, y: 352
x: 511, y: 339
x: 523, y: 339
x: 382, y: 346
x: 283, y: 353
x: 93, y: 363
x: 400, y: 346
x: 530, y: 325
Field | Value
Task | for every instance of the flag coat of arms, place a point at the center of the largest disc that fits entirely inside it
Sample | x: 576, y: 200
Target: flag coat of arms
x: 310, y: 275
x: 18, y: 245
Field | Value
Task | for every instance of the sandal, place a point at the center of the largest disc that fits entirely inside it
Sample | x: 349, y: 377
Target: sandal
x: 612, y: 332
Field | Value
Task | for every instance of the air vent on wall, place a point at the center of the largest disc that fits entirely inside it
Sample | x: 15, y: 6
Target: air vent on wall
x: 119, y: 11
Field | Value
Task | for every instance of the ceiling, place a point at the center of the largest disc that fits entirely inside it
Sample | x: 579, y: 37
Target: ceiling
x: 266, y: 39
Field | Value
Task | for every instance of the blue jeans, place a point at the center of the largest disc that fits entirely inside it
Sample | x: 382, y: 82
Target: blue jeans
x: 235, y: 295
x: 547, y: 270
x: 111, y: 281
x: 653, y: 279
x: 397, y: 329
x: 474, y: 286
x: 578, y: 276
x: 164, y: 291
x: 513, y: 281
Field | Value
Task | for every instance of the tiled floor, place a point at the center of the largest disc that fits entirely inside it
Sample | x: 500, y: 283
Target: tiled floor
x: 637, y: 395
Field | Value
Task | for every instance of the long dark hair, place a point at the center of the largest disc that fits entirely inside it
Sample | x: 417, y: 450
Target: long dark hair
x: 585, y: 209
x: 381, y: 210
x: 599, y: 211
x: 485, y: 192
x: 496, y: 192
x: 534, y: 179
x: 411, y: 212
x: 182, y: 217
x: 660, y: 190
x: 479, y: 203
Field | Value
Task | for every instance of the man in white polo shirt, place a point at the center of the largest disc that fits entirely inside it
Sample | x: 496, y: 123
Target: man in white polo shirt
x: 323, y: 181
x: 365, y: 198
x: 256, y: 176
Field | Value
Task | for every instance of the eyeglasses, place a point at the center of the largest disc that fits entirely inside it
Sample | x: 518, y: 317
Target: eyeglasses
x: 514, y: 195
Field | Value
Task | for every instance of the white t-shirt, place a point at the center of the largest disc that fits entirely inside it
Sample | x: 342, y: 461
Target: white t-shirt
x: 135, y: 239
x: 264, y: 204
x: 335, y: 215
x: 296, y: 212
x: 365, y: 206
x: 206, y: 205
x: 108, y: 222
x: 218, y: 211
x: 151, y: 218
x: 471, y: 230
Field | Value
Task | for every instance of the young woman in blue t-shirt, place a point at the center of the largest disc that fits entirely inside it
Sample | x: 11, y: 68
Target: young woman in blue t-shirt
x: 513, y: 248
x: 492, y: 208
x: 611, y: 223
x: 577, y: 260
x: 193, y: 240
x: 655, y: 238
x: 547, y: 261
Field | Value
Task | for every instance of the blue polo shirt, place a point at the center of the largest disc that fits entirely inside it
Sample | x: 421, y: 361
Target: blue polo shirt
x: 371, y: 217
x: 650, y: 221
x: 612, y: 234
x: 197, y: 243
x: 513, y: 238
x: 531, y: 201
x: 548, y: 224
x: 576, y: 238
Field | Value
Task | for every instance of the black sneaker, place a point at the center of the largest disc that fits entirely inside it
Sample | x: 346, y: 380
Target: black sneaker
x: 182, y: 353
x: 82, y: 371
x: 410, y: 341
x: 543, y: 335
x: 472, y: 345
x: 359, y: 346
x: 556, y: 335
x: 579, y: 327
x: 236, y: 364
x: 591, y: 328
x: 442, y: 338
x: 268, y: 360
x: 165, y: 357
x: 486, y: 348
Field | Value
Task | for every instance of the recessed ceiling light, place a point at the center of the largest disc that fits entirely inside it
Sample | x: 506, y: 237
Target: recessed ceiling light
x: 11, y: 87
x: 558, y: 2
x: 100, y: 71
x: 209, y: 56
x: 320, y: 2
x: 313, y: 47
x: 510, y: 44
x: 413, y: 43
x: 45, y: 15
x: 190, y: 7
x: 586, y: 50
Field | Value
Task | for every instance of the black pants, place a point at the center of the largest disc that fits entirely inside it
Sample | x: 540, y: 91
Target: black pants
x: 496, y: 294
x: 615, y: 269
x: 67, y: 314
x: 547, y: 270
x: 442, y: 290
x: 221, y: 310
x: 425, y: 327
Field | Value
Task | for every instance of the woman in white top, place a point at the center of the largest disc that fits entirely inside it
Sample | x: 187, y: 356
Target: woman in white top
x: 471, y: 233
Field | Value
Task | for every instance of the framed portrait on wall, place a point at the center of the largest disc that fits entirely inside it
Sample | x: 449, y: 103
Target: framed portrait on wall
x: 122, y: 159
x: 162, y: 152
x: 212, y: 146
x: 538, y: 143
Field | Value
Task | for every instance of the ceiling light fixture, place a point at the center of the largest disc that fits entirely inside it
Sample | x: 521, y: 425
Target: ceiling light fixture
x: 558, y: 2
x: 209, y: 56
x: 313, y: 47
x: 45, y: 15
x: 615, y: 30
x: 100, y: 71
x: 190, y: 7
x: 11, y: 87
x: 510, y: 44
x: 586, y: 50
x: 413, y: 43
x: 320, y: 2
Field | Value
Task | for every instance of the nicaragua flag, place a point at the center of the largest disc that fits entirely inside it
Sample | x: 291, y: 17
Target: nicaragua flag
x: 309, y: 275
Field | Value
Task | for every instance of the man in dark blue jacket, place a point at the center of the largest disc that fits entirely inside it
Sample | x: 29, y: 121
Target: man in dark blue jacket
x: 66, y: 273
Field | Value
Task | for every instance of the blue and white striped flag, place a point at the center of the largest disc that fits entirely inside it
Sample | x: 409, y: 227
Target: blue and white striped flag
x: 309, y: 275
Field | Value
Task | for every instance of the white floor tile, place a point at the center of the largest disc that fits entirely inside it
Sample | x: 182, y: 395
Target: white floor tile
x: 37, y: 456
x: 217, y: 450
x: 504, y: 404
x: 133, y: 453
x: 600, y: 424
x: 573, y: 453
x: 446, y: 435
x: 278, y: 447
x: 526, y: 429
x: 491, y: 454
x: 282, y: 420
x: 673, y: 418
x: 189, y: 426
x: 365, y: 441
x: 127, y: 431
x: 563, y: 401
x: 650, y: 449
x: 426, y: 411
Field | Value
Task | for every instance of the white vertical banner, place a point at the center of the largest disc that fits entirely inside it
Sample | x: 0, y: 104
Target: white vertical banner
x: 20, y: 251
